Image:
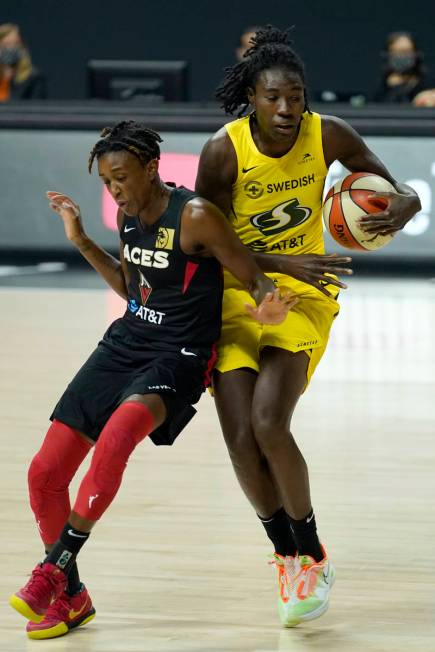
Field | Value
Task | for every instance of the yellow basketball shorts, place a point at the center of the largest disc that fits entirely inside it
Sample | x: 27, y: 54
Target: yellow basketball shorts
x: 306, y: 328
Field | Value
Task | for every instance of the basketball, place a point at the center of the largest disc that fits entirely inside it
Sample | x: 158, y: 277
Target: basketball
x: 347, y: 201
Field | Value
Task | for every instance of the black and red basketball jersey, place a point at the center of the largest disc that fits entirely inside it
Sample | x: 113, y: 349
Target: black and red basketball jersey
x: 172, y: 298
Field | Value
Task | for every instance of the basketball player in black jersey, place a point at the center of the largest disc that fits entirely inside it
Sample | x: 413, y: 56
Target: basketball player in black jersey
x: 150, y: 367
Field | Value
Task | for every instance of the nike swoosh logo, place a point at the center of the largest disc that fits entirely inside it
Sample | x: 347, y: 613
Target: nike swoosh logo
x: 308, y: 520
x: 78, y: 536
x: 184, y: 352
x: 73, y: 614
x: 245, y: 170
x: 126, y: 229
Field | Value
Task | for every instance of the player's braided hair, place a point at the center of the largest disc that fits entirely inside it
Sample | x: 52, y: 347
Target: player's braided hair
x: 271, y: 48
x: 130, y: 136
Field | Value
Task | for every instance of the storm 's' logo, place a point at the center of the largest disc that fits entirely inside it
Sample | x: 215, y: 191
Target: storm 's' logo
x: 281, y: 218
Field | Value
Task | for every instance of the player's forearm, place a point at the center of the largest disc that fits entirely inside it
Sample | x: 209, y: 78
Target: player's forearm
x: 240, y: 264
x: 270, y: 263
x: 108, y: 267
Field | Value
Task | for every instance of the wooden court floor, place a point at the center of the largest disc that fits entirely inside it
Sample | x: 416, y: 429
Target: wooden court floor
x: 179, y: 562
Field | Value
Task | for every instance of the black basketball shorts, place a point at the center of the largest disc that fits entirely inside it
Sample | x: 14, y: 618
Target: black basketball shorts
x: 124, y: 364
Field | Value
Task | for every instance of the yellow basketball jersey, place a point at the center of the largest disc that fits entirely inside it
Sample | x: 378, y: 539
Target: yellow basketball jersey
x: 277, y: 202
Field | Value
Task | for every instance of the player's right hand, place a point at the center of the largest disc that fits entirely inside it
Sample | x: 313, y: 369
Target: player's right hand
x: 70, y: 214
x: 316, y: 269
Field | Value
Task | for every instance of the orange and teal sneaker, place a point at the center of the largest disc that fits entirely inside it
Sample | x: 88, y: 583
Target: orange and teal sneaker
x: 64, y: 614
x: 311, y: 584
x: 47, y: 582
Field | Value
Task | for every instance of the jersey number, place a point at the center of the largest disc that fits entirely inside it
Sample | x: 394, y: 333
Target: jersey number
x: 282, y: 217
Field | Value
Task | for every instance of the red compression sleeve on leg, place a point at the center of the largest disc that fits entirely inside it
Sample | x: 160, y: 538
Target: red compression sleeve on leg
x: 49, y: 477
x: 129, y: 424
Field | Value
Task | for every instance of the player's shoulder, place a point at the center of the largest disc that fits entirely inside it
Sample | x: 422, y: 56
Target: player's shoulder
x: 339, y: 138
x: 220, y: 135
x: 219, y: 145
x: 217, y: 165
x: 333, y: 125
x: 197, y: 207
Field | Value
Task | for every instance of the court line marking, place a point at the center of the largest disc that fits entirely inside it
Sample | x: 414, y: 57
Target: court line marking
x: 39, y: 268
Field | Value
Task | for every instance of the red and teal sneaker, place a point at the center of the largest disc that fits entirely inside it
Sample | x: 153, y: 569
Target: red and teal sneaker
x: 65, y: 613
x: 46, y: 583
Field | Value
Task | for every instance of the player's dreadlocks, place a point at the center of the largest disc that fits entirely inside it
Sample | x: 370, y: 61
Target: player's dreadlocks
x: 130, y: 136
x: 271, y: 48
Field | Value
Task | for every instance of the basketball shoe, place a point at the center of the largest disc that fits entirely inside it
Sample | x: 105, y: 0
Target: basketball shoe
x: 46, y: 583
x: 64, y: 614
x: 286, y: 567
x: 311, y: 582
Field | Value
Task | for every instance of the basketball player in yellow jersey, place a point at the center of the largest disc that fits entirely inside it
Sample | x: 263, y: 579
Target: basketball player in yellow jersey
x: 266, y: 171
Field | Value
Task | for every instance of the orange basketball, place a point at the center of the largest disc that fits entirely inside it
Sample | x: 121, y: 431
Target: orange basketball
x: 347, y: 201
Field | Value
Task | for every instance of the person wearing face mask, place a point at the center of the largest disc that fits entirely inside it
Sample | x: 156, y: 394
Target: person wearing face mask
x: 245, y: 42
x: 19, y: 79
x: 403, y: 73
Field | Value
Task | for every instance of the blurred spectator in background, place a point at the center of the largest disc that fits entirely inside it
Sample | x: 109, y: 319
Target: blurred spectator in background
x: 404, y: 76
x: 19, y: 80
x: 425, y: 98
x: 245, y: 41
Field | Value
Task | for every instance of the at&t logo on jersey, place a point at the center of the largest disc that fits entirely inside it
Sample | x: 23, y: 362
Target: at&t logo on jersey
x: 146, y: 257
x: 283, y: 245
x: 285, y: 216
x: 144, y: 313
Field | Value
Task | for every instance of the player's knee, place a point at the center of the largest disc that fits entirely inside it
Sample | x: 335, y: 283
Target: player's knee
x: 238, y: 440
x: 39, y: 478
x: 111, y: 456
x: 47, y: 474
x: 270, y: 431
x: 103, y: 479
x: 125, y: 429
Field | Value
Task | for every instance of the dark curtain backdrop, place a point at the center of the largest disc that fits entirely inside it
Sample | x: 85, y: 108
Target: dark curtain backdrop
x: 340, y: 41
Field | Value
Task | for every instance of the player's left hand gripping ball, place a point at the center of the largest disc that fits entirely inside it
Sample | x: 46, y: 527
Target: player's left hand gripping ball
x: 274, y: 307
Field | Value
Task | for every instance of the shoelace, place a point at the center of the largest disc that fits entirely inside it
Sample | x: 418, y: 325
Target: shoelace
x: 36, y: 587
x: 291, y: 568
